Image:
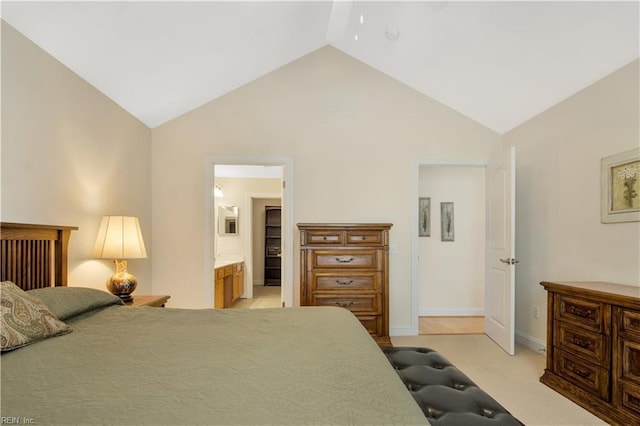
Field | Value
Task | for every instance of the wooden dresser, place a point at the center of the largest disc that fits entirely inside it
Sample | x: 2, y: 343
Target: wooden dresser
x: 593, y: 347
x: 347, y: 265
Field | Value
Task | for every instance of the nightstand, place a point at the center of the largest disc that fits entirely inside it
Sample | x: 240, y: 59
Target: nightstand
x: 146, y: 300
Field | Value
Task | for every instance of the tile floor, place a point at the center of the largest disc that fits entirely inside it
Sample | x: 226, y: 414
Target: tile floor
x: 263, y: 297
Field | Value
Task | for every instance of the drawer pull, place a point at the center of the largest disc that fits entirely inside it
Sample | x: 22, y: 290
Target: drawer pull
x: 344, y: 305
x: 579, y: 312
x: 581, y: 343
x: 344, y: 282
x: 576, y: 370
x: 325, y: 238
x: 344, y: 259
x: 358, y: 238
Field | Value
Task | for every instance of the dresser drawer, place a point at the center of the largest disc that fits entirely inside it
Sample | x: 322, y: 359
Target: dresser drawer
x: 362, y: 259
x: 629, y: 398
x: 586, y: 313
x: 372, y: 323
x: 630, y: 357
x: 323, y: 238
x: 592, y: 346
x: 584, y: 374
x: 630, y: 321
x: 368, y: 238
x: 358, y: 304
x: 344, y: 281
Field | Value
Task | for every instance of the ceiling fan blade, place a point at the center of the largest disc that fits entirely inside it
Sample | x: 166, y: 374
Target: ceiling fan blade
x: 338, y: 20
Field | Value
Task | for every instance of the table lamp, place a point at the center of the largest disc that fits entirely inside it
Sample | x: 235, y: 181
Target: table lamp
x: 120, y: 238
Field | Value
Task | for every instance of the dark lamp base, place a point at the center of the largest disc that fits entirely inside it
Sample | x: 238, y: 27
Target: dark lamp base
x: 122, y: 284
x: 126, y: 298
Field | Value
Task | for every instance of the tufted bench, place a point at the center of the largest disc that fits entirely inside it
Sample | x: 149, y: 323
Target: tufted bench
x: 445, y: 394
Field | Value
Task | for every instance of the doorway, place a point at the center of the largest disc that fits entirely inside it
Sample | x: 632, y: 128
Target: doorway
x: 499, y: 250
x: 237, y: 182
x: 261, y: 237
x: 451, y: 249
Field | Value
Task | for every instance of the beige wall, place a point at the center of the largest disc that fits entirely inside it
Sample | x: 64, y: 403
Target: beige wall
x: 452, y: 273
x: 69, y: 156
x: 559, y: 234
x: 355, y: 137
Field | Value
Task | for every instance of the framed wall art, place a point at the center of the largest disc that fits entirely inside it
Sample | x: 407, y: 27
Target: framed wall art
x: 446, y: 222
x: 620, y: 187
x: 424, y: 217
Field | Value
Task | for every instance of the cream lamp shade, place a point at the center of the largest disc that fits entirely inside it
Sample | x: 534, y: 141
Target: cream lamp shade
x: 119, y: 238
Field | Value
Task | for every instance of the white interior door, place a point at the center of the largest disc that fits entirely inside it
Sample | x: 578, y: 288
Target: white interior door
x: 500, y: 280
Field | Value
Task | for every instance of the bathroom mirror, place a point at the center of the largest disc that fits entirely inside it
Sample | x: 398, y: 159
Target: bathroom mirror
x: 227, y: 220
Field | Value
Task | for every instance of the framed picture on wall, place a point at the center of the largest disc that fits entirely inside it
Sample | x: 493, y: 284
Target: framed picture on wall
x: 620, y: 187
x: 446, y: 222
x: 424, y: 217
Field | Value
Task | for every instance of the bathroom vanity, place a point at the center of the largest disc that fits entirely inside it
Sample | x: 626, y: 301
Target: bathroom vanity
x: 229, y: 282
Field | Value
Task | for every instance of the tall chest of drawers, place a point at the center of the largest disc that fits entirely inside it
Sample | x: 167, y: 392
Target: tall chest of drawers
x: 347, y: 265
x: 593, y: 347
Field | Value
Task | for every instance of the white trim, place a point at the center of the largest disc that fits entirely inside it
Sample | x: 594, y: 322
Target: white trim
x: 453, y: 162
x: 463, y: 312
x: 415, y: 284
x: 209, y: 229
x: 403, y: 331
x: 287, y: 219
x: 531, y: 342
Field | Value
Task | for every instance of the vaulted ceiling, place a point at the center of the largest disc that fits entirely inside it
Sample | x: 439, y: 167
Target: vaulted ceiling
x: 499, y: 63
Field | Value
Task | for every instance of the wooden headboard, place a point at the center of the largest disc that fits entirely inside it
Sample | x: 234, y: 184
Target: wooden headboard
x: 34, y: 256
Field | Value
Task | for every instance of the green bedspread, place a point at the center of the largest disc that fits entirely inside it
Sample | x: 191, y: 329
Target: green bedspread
x: 125, y: 365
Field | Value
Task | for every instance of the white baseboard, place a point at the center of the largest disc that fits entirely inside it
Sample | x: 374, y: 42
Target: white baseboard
x: 531, y: 342
x: 463, y: 312
x: 403, y: 331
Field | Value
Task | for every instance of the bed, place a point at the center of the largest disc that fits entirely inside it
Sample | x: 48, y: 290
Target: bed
x: 140, y: 365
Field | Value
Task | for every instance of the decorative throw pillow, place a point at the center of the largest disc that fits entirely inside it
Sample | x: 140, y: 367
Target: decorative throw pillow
x: 25, y: 319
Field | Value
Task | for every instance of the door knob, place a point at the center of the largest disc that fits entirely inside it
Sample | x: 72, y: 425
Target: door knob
x: 510, y: 261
